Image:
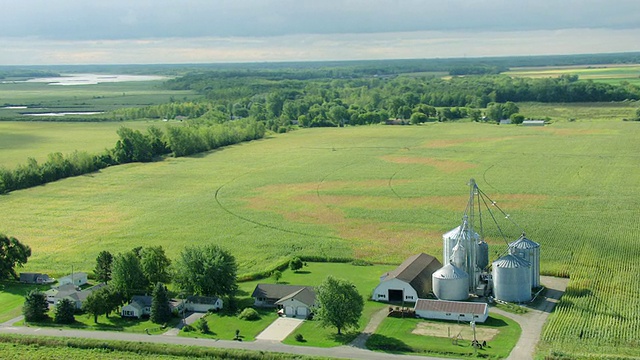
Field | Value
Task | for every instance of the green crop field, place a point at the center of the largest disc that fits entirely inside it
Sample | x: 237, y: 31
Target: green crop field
x: 379, y: 193
x: 613, y: 74
x: 20, y: 140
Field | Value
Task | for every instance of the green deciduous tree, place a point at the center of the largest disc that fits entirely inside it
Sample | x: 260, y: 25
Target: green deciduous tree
x: 35, y: 306
x: 101, y: 302
x: 160, y: 309
x: 65, y: 310
x: 12, y: 253
x: 104, y: 261
x: 340, y: 304
x: 127, y: 277
x: 155, y: 265
x: 206, y: 270
x: 295, y: 264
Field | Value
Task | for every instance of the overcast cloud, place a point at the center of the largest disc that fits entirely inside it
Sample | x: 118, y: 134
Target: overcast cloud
x: 155, y: 31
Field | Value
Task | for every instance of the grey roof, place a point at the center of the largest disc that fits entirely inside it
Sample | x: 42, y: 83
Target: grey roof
x: 142, y: 300
x: 511, y: 261
x: 459, y: 307
x: 416, y: 271
x: 202, y: 299
x: 524, y: 243
x: 75, y: 276
x: 275, y: 291
x: 305, y: 295
x: 450, y: 271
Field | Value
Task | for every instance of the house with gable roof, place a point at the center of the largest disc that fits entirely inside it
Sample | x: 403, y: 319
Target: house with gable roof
x: 294, y: 300
x: 409, y: 281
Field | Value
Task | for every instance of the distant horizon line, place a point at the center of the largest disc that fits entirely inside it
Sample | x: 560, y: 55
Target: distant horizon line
x: 308, y: 61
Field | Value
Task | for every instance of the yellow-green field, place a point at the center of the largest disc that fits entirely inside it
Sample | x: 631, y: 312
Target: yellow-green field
x: 613, y: 73
x: 378, y: 193
x: 20, y: 140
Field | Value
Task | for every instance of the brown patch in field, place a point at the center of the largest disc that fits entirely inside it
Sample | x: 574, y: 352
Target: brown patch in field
x: 571, y: 132
x: 447, y: 166
x: 434, y: 144
x: 443, y: 330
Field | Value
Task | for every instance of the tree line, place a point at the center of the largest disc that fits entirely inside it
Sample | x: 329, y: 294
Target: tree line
x: 132, y: 146
x: 366, y: 100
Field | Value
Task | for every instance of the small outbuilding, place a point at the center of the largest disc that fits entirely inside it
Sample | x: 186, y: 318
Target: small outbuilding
x: 77, y: 279
x: 35, y: 278
x: 451, y: 310
x: 409, y: 281
x: 533, y: 123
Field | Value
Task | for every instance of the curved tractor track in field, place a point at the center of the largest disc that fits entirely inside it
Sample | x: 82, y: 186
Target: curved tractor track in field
x: 258, y: 223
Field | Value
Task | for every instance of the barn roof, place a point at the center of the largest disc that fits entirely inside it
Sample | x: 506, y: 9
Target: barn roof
x: 459, y: 307
x: 416, y: 271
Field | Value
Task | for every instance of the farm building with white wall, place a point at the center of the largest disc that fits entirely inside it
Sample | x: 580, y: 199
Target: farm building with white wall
x: 452, y: 310
x: 409, y: 281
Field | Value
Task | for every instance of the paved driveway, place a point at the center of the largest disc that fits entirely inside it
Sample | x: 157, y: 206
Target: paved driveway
x: 279, y: 329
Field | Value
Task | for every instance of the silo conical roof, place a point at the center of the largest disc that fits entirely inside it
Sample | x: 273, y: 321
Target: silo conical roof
x: 524, y: 243
x: 450, y: 271
x: 511, y: 261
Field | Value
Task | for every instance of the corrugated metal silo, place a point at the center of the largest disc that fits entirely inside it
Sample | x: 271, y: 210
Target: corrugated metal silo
x: 459, y: 256
x: 482, y: 257
x: 512, y: 279
x: 450, y: 239
x: 530, y: 251
x: 450, y: 283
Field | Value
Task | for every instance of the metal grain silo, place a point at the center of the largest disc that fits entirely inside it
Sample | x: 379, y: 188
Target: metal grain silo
x: 467, y: 238
x: 482, y: 256
x: 530, y: 251
x: 512, y: 279
x: 450, y: 283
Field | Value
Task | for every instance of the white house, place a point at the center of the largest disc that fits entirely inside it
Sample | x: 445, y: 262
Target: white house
x: 299, y: 303
x: 71, y: 292
x: 77, y: 279
x: 452, y: 310
x: 409, y: 281
x: 294, y: 300
x: 138, y: 307
x: 202, y: 303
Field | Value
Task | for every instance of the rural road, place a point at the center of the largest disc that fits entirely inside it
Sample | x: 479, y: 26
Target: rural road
x: 531, y: 324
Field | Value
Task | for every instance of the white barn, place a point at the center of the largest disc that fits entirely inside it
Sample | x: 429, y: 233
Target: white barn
x: 409, y: 281
x: 452, y: 310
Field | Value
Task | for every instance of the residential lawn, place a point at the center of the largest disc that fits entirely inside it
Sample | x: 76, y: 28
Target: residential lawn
x: 223, y: 325
x: 395, y: 335
x: 316, y: 335
x: 12, y: 295
x: 113, y: 323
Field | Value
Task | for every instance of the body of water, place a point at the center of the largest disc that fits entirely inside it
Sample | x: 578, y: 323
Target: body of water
x: 65, y: 113
x: 91, y: 79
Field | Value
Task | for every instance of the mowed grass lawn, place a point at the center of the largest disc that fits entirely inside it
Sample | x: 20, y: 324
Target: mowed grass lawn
x: 379, y: 193
x: 12, y: 295
x: 404, y: 336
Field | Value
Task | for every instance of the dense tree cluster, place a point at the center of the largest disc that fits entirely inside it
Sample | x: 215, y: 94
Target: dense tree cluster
x: 206, y: 270
x: 12, y: 253
x: 366, y: 100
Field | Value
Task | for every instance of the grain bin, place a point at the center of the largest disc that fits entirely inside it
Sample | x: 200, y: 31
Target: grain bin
x: 450, y: 283
x: 530, y: 251
x: 512, y: 279
x: 482, y: 256
x: 450, y: 239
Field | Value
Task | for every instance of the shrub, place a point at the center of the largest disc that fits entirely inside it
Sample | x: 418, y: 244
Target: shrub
x: 295, y: 264
x: 188, y: 328
x: 249, y: 314
x: 203, y: 326
x: 299, y: 337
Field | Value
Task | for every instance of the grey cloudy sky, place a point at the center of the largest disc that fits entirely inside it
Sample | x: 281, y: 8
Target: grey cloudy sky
x: 163, y: 31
